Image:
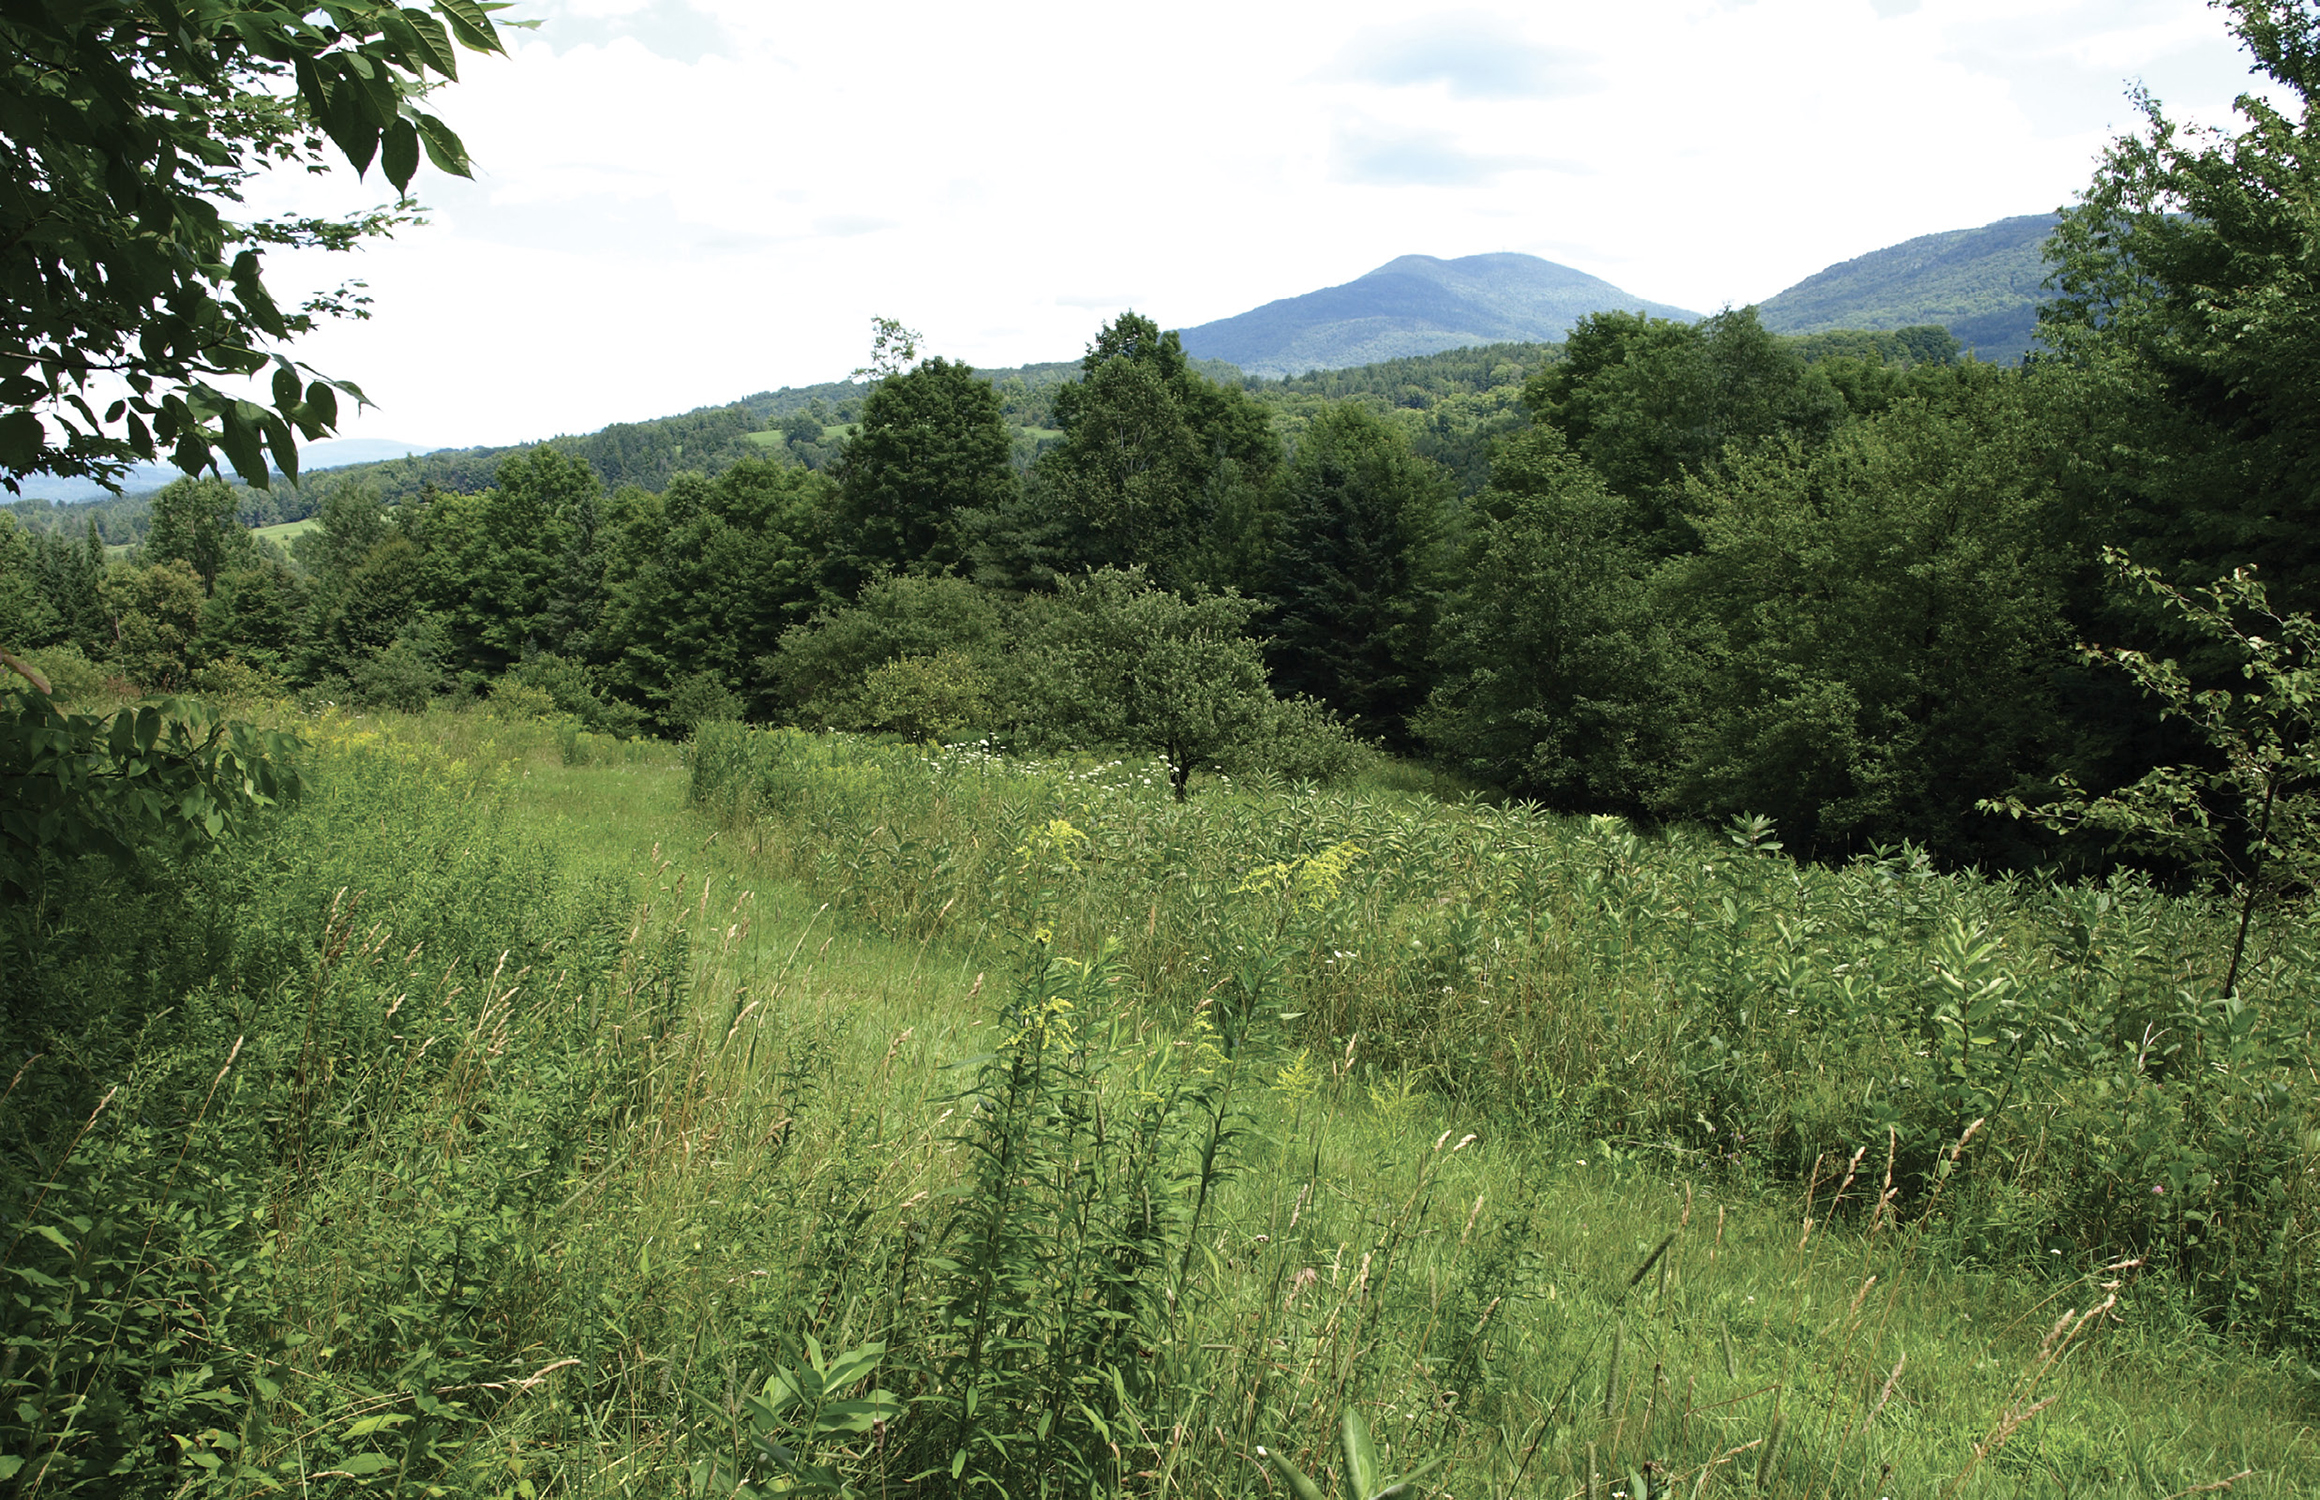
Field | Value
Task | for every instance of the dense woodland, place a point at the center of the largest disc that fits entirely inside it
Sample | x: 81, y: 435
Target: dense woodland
x: 1667, y: 569
x: 1675, y: 570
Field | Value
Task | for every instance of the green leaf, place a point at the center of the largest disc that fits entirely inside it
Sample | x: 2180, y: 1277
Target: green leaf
x: 444, y: 148
x: 1361, y: 1465
x: 21, y: 439
x: 434, y: 41
x: 470, y: 24
x: 365, y: 1463
x: 1300, y: 1486
x: 399, y: 154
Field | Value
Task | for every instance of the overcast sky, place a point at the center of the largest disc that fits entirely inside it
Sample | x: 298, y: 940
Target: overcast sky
x: 682, y: 202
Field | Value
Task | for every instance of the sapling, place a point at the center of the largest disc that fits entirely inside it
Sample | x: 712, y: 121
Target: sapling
x: 2248, y: 817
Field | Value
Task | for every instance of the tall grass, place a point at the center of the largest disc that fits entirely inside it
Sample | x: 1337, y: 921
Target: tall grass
x: 466, y: 1172
x: 1692, y: 996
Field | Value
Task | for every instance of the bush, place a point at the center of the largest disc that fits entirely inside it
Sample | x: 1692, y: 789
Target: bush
x: 919, y: 697
x: 1301, y: 739
x: 519, y: 702
x: 71, y: 675
x: 406, y: 676
x: 703, y: 698
x: 573, y: 689
x: 233, y: 679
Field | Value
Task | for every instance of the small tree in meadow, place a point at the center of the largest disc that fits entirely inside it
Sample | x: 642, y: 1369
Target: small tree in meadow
x: 2248, y: 816
x: 1115, y: 660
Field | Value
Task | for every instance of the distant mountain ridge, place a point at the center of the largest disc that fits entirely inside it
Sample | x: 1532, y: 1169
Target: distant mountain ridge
x: 1415, y: 305
x: 1984, y: 285
x: 313, y: 458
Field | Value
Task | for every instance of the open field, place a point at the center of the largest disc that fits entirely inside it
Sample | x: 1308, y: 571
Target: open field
x: 546, y: 1095
x: 284, y: 532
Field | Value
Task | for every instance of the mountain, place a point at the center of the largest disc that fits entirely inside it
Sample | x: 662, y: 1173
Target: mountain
x: 1983, y: 285
x: 331, y: 453
x: 337, y: 453
x: 1414, y: 305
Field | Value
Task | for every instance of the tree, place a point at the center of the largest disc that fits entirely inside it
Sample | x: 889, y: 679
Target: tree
x: 1110, y: 659
x: 1555, y: 676
x: 198, y: 522
x: 707, y: 577
x: 1151, y: 451
x: 2188, y: 318
x: 2248, y: 816
x: 1357, y: 575
x: 1873, y: 630
x: 932, y: 449
x: 131, y: 124
x: 821, y: 669
x: 1647, y: 401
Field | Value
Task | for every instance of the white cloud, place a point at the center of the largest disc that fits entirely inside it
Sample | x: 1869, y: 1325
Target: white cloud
x: 679, y: 203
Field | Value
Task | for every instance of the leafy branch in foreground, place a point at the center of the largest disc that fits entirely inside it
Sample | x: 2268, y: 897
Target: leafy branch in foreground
x: 172, y: 773
x: 130, y: 123
x: 2249, y: 817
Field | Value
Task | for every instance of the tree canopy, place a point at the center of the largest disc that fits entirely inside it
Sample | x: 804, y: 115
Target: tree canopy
x: 132, y: 127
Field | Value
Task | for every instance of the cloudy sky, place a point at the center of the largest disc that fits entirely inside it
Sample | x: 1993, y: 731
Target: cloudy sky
x: 681, y: 202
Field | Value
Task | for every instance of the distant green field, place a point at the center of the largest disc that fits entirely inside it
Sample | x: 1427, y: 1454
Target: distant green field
x: 281, y: 534
x: 772, y: 436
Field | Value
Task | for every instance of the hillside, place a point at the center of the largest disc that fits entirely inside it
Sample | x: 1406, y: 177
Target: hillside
x: 1411, y: 306
x: 1983, y: 285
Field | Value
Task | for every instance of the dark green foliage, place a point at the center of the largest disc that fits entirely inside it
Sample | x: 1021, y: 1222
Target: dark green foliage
x: 932, y: 450
x: 2247, y: 820
x: 1983, y: 286
x: 1646, y: 401
x: 1556, y: 677
x: 1872, y: 633
x: 1358, y: 571
x: 505, y: 556
x: 195, y: 522
x: 155, y: 615
x: 157, y: 782
x: 2184, y: 313
x: 820, y: 668
x: 707, y: 578
x: 257, y: 615
x: 1151, y: 451
x: 130, y: 126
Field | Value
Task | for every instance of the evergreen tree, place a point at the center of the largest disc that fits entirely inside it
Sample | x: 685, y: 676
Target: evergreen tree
x: 1151, y: 450
x: 933, y: 449
x: 1358, y: 576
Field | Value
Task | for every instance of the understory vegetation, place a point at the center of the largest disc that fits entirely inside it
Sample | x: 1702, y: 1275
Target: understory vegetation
x: 527, y: 1113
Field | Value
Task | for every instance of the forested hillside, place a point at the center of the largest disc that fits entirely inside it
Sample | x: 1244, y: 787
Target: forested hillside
x: 1984, y: 285
x: 1414, y: 305
x: 1672, y: 569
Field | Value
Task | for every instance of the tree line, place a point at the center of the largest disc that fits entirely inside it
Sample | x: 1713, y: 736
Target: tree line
x: 1841, y: 582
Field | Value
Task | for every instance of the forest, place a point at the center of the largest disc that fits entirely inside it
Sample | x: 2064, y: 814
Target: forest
x: 1664, y: 570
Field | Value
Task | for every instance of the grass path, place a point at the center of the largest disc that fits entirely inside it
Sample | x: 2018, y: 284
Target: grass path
x: 1845, y: 1351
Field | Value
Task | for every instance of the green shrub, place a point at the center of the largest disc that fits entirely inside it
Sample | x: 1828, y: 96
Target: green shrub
x: 574, y: 690
x: 919, y: 697
x: 519, y: 702
x: 72, y: 677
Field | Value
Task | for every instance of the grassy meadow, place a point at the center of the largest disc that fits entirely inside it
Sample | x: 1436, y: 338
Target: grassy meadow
x: 530, y: 1113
